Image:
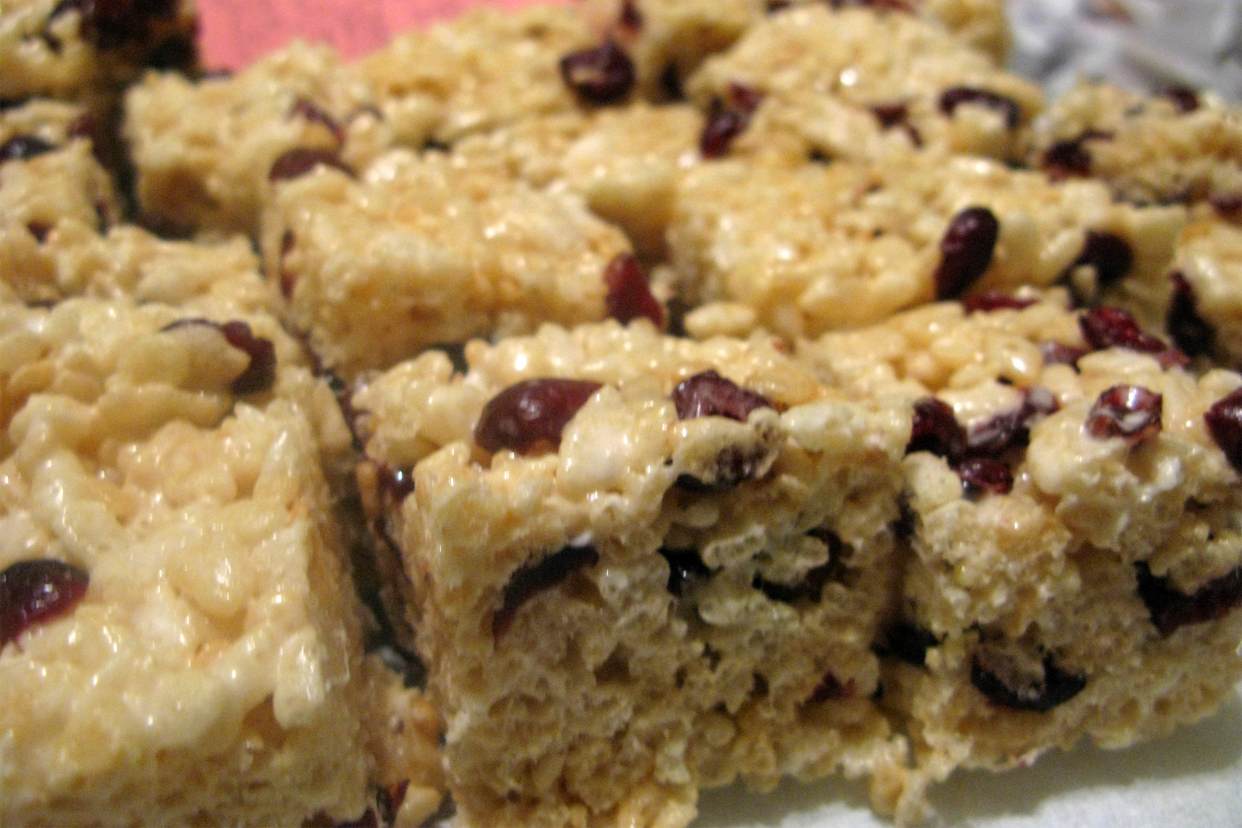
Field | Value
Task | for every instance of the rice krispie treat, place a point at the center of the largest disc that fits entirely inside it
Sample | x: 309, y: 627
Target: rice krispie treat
x: 1179, y: 147
x: 432, y: 249
x: 180, y: 634
x: 856, y: 83
x: 1072, y: 496
x: 208, y: 153
x: 826, y: 247
x: 641, y: 566
x: 668, y: 39
x: 79, y: 50
x: 480, y: 70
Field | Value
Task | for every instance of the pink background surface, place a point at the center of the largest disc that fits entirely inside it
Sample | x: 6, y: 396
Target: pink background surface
x: 235, y: 32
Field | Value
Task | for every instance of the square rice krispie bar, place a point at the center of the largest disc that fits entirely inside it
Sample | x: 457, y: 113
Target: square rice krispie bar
x: 208, y: 152
x: 431, y: 249
x: 641, y: 566
x: 1072, y: 496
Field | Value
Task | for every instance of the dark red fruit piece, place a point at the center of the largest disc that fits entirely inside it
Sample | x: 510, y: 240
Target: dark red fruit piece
x: 531, y: 414
x: 936, y: 430
x: 630, y: 17
x: 301, y: 160
x: 993, y: 301
x: 733, y: 466
x: 1109, y: 254
x: 1107, y: 327
x: 955, y: 96
x: 1127, y: 411
x: 983, y: 475
x: 1190, y: 332
x: 23, y: 147
x: 397, y: 484
x: 707, y: 394
x: 1229, y: 206
x: 1070, y: 158
x: 1184, y: 99
x: 310, y: 111
x: 261, y: 372
x: 1058, y: 353
x: 1170, y: 608
x: 897, y: 115
x: 600, y: 75
x: 728, y: 119
x: 830, y: 688
x: 288, y: 281
x: 629, y: 295
x: 530, y: 580
x: 1224, y: 423
x: 1013, y: 428
x: 966, y: 251
x: 908, y: 642
x: 40, y: 230
x: 1055, y: 688
x: 685, y: 568
x: 884, y: 5
x: 35, y: 592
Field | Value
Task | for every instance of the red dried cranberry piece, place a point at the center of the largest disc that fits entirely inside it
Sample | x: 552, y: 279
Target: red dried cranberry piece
x: 728, y: 119
x: 936, y: 430
x: 301, y: 160
x: 629, y: 295
x: 1171, y: 608
x: 288, y: 280
x: 1070, y: 158
x: 707, y: 394
x: 1109, y: 254
x: 994, y: 301
x: 260, y: 373
x: 966, y: 251
x: 630, y: 17
x: 530, y: 580
x: 685, y: 569
x: 1128, y: 411
x: 1107, y: 327
x: 397, y: 484
x: 1224, y: 423
x: 883, y: 5
x: 831, y: 688
x: 955, y: 96
x: 35, y: 592
x: 1058, y: 353
x: 600, y: 75
x: 897, y: 115
x: 1054, y: 689
x: 982, y: 475
x: 1184, y: 99
x: 732, y: 467
x: 1190, y: 332
x: 24, y: 147
x: 531, y: 414
x: 40, y: 230
x: 908, y: 642
x: 1229, y: 206
x: 310, y: 111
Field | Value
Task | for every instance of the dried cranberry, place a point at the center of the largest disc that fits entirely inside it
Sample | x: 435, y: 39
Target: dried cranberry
x: 397, y: 484
x: 301, y: 160
x: 1229, y: 206
x: 630, y: 18
x: 830, y: 688
x: 35, y: 592
x: 955, y: 96
x: 1184, y: 99
x: 811, y: 586
x: 1171, y: 608
x: 24, y: 147
x: 288, y: 279
x: 733, y: 466
x: 966, y: 251
x: 260, y: 373
x: 883, y: 5
x: 600, y: 75
x: 983, y: 475
x: 1127, y: 411
x: 994, y: 301
x: 1058, y: 353
x: 629, y: 295
x: 531, y: 414
x: 685, y: 568
x: 727, y: 119
x: 1108, y: 254
x: 530, y: 580
x: 908, y: 642
x: 897, y: 115
x: 707, y: 394
x: 1054, y: 688
x: 1107, y: 327
x: 1189, y: 331
x: 1065, y: 159
x: 1224, y: 423
x: 308, y: 110
x: 40, y: 230
x: 936, y: 430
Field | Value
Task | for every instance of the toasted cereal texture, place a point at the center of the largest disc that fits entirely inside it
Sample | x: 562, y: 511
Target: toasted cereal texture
x: 478, y: 71
x: 1094, y: 598
x: 211, y: 674
x: 79, y: 51
x: 431, y: 249
x: 660, y: 604
x: 821, y: 71
x: 1180, y: 147
x: 205, y: 150
x: 822, y: 248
